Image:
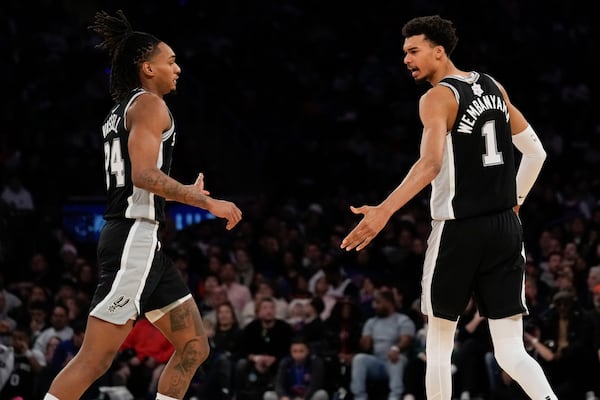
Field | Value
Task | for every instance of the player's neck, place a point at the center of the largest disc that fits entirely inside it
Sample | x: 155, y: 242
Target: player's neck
x: 448, y: 69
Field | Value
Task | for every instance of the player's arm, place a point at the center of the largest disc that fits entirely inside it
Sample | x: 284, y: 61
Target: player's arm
x: 436, y: 110
x: 527, y: 142
x: 148, y: 118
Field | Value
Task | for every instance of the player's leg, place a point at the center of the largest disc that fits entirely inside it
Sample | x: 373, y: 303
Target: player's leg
x: 182, y: 325
x: 438, y: 371
x: 509, y: 350
x: 504, y: 303
x: 100, y: 344
x: 450, y: 263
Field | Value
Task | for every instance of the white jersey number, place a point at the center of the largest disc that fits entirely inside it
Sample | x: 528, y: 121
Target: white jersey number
x: 113, y: 162
x: 492, y: 156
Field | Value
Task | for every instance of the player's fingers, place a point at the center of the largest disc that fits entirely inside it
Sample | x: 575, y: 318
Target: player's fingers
x: 358, y: 210
x: 200, y: 179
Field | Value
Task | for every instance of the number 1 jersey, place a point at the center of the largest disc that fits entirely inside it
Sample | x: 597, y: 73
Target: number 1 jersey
x: 478, y: 174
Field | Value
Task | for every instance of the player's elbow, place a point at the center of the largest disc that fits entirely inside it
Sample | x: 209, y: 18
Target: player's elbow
x: 431, y: 168
x: 142, y: 178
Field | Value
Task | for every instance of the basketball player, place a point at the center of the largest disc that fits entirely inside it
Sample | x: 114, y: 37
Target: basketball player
x: 475, y: 246
x: 136, y: 276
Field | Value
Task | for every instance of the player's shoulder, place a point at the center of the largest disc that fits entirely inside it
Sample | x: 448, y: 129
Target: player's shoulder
x: 148, y: 102
x: 437, y: 94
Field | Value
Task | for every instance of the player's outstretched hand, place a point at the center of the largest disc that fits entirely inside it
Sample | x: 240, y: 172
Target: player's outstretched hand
x: 226, y: 209
x: 374, y: 219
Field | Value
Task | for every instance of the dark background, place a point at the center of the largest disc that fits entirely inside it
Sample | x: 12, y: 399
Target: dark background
x: 291, y: 101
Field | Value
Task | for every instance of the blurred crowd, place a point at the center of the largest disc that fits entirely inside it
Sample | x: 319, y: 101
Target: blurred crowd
x: 295, y: 110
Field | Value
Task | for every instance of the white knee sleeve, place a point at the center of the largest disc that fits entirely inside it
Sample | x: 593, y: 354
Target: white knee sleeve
x: 509, y: 350
x: 440, y: 343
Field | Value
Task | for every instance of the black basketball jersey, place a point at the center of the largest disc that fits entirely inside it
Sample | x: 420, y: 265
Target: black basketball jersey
x: 478, y: 174
x: 124, y: 199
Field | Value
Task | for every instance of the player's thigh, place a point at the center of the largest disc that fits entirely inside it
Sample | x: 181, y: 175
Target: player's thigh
x: 182, y: 325
x: 103, y: 339
x: 499, y: 289
x: 449, y: 269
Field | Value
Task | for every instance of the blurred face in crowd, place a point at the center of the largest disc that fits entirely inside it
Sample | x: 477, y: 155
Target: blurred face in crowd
x: 219, y: 296
x: 264, y: 290
x: 38, y: 294
x: 382, y: 306
x: 597, y: 300
x: 593, y: 278
x: 59, y: 318
x: 531, y: 291
x: 225, y: 315
x: 228, y: 273
x: 299, y: 352
x: 266, y: 311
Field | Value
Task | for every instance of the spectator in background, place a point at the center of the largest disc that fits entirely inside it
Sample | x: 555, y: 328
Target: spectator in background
x: 587, y: 297
x: 342, y: 332
x: 314, y: 326
x: 205, y: 292
x: 27, y: 365
x: 38, y: 319
x: 536, y: 303
x: 16, y: 195
x: 10, y: 301
x: 244, y: 266
x: 472, y: 344
x: 264, y: 342
x: 321, y: 291
x: 239, y: 295
x: 47, y: 373
x: 263, y: 290
x: 300, y: 375
x: 225, y: 339
x: 218, y: 296
x: 564, y: 333
x: 7, y: 324
x: 593, y: 321
x: 59, y: 326
x: 386, y: 339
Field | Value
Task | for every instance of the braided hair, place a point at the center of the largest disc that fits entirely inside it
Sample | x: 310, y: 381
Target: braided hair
x: 127, y: 48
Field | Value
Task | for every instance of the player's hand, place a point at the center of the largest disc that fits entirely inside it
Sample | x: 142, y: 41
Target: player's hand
x: 374, y: 219
x: 199, y: 184
x: 516, y: 209
x: 226, y: 209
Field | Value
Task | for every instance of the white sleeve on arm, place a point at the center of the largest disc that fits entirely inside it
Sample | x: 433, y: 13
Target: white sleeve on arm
x: 533, y: 158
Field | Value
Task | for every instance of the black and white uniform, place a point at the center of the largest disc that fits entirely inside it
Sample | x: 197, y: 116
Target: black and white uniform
x: 135, y: 276
x: 476, y: 243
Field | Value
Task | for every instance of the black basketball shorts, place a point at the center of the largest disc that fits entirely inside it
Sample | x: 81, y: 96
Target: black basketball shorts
x: 483, y: 257
x: 136, y: 277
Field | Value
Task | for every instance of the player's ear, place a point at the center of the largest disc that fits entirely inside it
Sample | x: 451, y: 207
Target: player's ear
x: 439, y: 52
x: 147, y: 68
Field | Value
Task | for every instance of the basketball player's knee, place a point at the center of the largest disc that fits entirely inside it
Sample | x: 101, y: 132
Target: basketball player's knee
x: 509, y: 357
x: 195, y: 351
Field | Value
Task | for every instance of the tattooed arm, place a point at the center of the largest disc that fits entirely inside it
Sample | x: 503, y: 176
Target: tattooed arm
x: 147, y: 119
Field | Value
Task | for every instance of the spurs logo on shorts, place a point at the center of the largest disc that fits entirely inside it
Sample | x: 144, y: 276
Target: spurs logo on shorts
x: 120, y: 302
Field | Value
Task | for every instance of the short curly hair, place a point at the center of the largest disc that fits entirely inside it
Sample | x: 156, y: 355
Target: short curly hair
x: 437, y: 30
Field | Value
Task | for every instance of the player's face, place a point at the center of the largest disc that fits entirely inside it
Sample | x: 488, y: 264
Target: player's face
x: 419, y: 57
x: 165, y: 69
